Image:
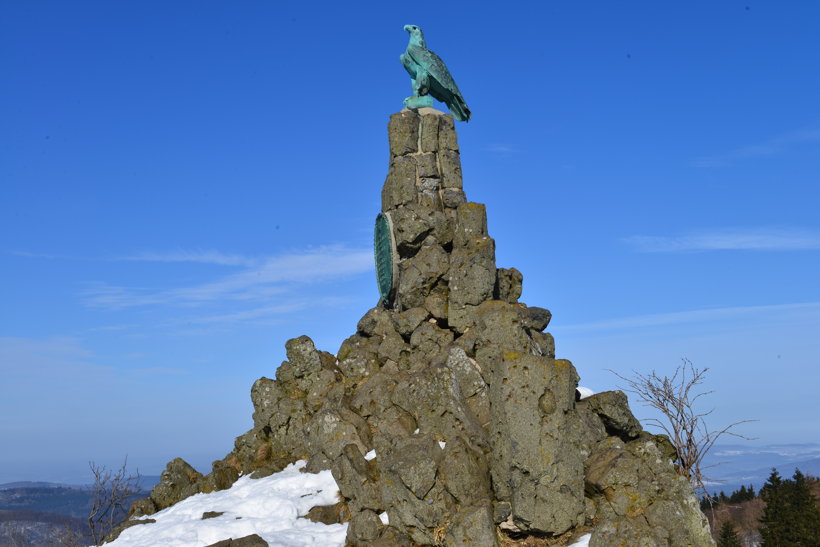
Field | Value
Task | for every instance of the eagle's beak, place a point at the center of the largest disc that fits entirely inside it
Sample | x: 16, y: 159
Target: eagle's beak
x: 407, y: 28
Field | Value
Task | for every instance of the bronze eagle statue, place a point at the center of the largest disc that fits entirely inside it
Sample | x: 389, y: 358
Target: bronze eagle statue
x: 430, y: 77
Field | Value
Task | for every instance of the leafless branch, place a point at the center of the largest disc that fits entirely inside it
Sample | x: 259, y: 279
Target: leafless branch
x: 675, y: 398
x: 110, y: 493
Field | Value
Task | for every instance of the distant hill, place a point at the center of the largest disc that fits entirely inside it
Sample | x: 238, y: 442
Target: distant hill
x: 32, y: 484
x: 24, y: 528
x: 744, y: 464
x: 35, y: 513
x: 146, y: 482
x: 60, y: 500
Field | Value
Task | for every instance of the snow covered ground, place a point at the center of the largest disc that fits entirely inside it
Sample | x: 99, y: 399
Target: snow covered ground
x: 270, y: 507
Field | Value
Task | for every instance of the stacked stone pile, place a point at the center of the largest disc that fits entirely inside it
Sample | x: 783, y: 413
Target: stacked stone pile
x: 477, y: 433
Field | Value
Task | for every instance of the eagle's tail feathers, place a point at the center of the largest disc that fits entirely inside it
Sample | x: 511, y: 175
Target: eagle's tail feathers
x: 459, y: 108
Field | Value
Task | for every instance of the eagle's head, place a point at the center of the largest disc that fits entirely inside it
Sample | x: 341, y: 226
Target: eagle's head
x: 416, y: 36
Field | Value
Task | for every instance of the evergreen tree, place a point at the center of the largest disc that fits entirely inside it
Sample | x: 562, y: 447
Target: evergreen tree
x: 728, y: 536
x: 706, y: 502
x: 739, y: 495
x: 773, y: 523
x: 791, y: 517
x: 804, y: 506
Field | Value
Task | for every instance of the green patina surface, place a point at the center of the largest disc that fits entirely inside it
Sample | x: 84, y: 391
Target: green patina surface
x: 430, y: 77
x: 383, y: 250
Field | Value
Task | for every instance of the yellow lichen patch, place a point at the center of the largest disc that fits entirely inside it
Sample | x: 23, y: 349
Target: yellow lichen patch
x: 233, y: 461
x: 636, y: 506
x: 471, y: 205
x: 263, y: 453
x: 480, y: 242
x: 439, y: 534
x: 489, y: 306
x: 293, y: 392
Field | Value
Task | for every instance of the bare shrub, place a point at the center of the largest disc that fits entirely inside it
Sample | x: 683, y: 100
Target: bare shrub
x: 70, y: 536
x: 676, y: 398
x: 111, y: 496
x: 12, y: 532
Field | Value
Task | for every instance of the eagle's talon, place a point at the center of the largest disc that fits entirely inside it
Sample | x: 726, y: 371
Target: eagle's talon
x: 416, y: 101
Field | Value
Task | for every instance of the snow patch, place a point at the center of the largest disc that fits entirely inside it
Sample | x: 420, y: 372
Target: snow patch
x: 584, y: 392
x: 270, y: 507
x: 370, y: 455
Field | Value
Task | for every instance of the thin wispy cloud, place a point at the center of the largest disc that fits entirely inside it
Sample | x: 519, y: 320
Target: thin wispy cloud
x: 691, y: 316
x: 181, y: 255
x: 198, y: 256
x: 44, y: 358
x: 246, y: 315
x: 47, y: 256
x: 761, y: 239
x: 108, y: 328
x: 771, y: 147
x: 260, y: 315
x: 265, y: 278
x: 158, y: 371
x: 502, y: 149
x: 103, y: 295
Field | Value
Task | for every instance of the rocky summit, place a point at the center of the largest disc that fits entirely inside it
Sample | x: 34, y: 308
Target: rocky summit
x: 447, y: 408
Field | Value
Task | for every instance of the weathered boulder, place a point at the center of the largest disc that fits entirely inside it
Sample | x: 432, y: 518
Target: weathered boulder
x: 400, y: 187
x: 420, y: 275
x: 222, y: 476
x: 613, y: 409
x: 329, y: 514
x: 407, y: 321
x: 121, y: 527
x: 403, y: 133
x: 364, y: 529
x: 177, y: 482
x: 472, y: 280
x: 328, y: 432
x: 472, y: 526
x: 417, y: 502
x: 391, y: 537
x: 508, y: 285
x: 639, y: 497
x: 535, y: 440
x: 253, y: 540
x: 472, y: 387
x: 358, y: 480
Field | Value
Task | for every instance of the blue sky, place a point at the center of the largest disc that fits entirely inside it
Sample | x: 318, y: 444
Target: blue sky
x: 187, y: 185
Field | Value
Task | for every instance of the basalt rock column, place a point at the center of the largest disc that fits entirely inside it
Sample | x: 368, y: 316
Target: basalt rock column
x: 447, y: 267
x: 447, y: 259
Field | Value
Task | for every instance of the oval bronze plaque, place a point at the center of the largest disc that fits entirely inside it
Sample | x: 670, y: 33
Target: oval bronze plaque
x: 384, y: 249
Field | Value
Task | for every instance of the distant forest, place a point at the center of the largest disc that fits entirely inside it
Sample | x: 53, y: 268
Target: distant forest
x: 38, y: 515
x: 785, y: 512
